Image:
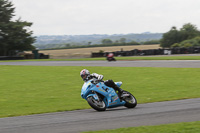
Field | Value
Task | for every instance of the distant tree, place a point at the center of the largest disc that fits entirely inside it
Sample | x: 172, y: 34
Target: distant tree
x: 193, y: 42
x: 14, y: 35
x: 89, y: 43
x: 197, y: 39
x: 175, y: 45
x: 151, y: 42
x: 67, y: 45
x: 188, y: 43
x: 188, y: 31
x: 122, y: 40
x: 106, y: 41
x: 116, y: 41
x: 170, y: 38
x: 133, y: 43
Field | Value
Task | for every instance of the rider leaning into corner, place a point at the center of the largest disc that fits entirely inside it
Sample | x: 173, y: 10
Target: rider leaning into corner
x: 85, y: 75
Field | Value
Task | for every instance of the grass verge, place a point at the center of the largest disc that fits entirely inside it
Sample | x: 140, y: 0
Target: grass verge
x: 40, y: 89
x: 186, y: 127
x: 119, y: 58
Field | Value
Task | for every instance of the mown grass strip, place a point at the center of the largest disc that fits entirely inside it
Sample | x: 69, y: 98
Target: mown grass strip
x: 39, y: 89
x: 160, y: 58
x: 119, y: 58
x: 186, y: 127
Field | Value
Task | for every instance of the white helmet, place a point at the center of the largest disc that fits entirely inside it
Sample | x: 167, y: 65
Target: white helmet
x: 84, y: 74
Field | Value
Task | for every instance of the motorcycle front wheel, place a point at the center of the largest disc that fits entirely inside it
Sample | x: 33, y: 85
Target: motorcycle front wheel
x: 130, y: 100
x: 97, y: 105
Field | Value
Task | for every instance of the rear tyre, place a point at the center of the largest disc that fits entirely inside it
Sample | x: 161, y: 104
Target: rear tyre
x: 130, y: 100
x: 97, y: 105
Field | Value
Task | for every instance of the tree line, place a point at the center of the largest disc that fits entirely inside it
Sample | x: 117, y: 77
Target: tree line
x: 69, y: 46
x: 187, y: 36
x: 96, y: 38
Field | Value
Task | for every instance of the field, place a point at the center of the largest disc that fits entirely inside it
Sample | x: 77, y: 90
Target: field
x: 40, y: 89
x: 86, y: 52
x: 189, y: 127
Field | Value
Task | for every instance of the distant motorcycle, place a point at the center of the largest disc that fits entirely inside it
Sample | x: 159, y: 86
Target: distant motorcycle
x: 110, y: 57
x: 99, y: 96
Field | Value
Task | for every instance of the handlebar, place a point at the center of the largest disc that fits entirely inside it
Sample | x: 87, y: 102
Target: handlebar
x: 96, y: 81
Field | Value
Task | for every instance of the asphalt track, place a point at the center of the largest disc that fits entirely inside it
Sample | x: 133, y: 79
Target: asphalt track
x: 89, y: 119
x: 142, y: 63
x: 85, y: 120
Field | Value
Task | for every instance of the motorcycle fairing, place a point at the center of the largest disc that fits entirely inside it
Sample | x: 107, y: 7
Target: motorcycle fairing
x: 111, y: 98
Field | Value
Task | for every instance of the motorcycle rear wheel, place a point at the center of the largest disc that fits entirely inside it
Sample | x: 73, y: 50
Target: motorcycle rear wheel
x: 97, y: 105
x: 130, y: 100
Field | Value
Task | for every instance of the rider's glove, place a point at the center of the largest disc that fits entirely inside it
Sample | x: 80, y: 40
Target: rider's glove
x: 99, y: 77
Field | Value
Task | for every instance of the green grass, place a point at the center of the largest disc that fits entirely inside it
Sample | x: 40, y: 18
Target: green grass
x: 187, y: 127
x: 160, y: 58
x: 72, y: 59
x: 39, y: 89
x: 119, y: 58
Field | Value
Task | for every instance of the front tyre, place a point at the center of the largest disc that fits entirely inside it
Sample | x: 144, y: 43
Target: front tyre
x: 97, y: 105
x: 130, y: 100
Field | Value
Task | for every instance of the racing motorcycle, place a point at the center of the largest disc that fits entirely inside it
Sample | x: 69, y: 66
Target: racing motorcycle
x: 99, y: 96
x: 110, y: 57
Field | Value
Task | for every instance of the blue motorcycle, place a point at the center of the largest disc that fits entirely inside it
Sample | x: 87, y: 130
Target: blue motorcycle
x: 99, y: 96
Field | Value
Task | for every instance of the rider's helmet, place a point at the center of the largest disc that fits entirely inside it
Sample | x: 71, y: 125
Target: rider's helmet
x: 85, y: 74
x: 110, y: 55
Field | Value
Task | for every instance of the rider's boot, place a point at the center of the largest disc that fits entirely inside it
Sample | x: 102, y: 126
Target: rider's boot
x: 120, y: 91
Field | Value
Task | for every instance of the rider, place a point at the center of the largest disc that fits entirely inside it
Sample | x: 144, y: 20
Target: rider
x: 85, y: 75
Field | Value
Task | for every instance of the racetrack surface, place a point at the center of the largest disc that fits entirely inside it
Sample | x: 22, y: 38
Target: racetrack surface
x: 89, y: 119
x: 142, y: 63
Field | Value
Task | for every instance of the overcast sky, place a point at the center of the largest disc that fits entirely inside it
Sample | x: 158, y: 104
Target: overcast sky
x: 77, y: 17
